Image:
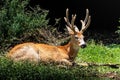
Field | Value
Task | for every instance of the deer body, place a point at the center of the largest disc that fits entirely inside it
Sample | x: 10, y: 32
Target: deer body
x: 43, y: 52
x: 35, y: 52
x: 46, y: 53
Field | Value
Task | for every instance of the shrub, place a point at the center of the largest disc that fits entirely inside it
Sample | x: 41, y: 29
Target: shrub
x: 22, y: 24
x: 118, y: 31
x: 27, y: 71
x: 118, y: 34
x: 16, y: 20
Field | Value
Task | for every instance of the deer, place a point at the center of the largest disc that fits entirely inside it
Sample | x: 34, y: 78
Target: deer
x: 67, y: 53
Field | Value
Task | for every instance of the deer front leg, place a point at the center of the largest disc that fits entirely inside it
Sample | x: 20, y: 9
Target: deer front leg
x: 65, y: 62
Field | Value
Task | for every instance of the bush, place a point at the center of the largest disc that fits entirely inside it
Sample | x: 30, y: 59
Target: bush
x: 20, y: 23
x: 29, y: 71
x: 16, y: 20
x: 118, y: 31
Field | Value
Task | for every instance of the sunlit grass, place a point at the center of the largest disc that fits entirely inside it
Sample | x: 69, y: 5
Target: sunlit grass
x: 99, y: 53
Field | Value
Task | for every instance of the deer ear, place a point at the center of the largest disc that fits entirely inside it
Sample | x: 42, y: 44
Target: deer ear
x: 69, y: 30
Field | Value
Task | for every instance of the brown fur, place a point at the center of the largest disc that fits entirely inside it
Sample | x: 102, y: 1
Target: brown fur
x: 39, y: 52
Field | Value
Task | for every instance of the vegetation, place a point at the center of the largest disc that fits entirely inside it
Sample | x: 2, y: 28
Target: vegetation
x: 101, y: 54
x: 118, y: 31
x: 94, y: 53
x: 21, y: 23
x: 26, y: 70
x: 98, y: 53
x: 18, y: 23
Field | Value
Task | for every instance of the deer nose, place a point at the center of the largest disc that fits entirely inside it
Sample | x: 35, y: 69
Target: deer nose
x: 83, y: 46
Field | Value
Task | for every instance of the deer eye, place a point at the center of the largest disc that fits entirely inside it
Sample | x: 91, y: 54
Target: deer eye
x: 76, y: 37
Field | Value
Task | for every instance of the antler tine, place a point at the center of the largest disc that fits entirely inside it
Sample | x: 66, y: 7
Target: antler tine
x: 67, y: 18
x: 70, y: 25
x: 87, y: 15
x: 89, y: 21
x: 73, y: 20
x: 86, y: 22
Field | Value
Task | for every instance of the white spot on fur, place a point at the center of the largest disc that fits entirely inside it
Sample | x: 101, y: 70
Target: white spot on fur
x: 82, y: 42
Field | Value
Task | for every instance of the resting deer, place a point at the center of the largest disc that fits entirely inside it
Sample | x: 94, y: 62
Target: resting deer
x: 43, y: 52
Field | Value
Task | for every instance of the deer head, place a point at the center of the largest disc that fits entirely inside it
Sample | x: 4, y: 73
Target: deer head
x: 76, y: 34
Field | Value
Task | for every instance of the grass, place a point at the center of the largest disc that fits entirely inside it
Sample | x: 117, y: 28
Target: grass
x: 100, y: 54
x: 94, y: 53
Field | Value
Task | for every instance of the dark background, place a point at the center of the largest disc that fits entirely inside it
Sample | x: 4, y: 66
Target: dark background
x: 105, y: 13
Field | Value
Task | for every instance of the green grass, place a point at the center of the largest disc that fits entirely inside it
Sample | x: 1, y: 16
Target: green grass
x: 94, y: 53
x: 100, y: 54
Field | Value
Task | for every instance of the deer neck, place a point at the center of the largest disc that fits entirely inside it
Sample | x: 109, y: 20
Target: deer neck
x: 72, y: 49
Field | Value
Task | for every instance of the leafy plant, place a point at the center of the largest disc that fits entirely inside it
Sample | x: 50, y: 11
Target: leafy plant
x: 16, y: 19
x: 20, y: 24
x: 118, y: 31
x: 26, y: 70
